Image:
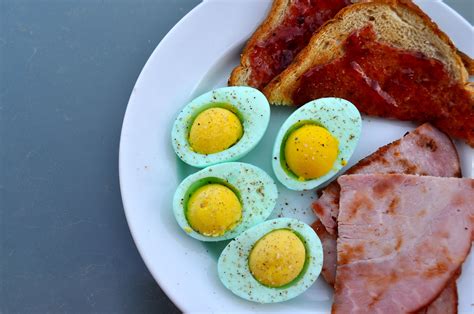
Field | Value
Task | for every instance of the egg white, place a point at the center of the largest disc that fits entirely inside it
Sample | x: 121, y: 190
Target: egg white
x: 258, y: 196
x: 235, y: 274
x: 252, y: 107
x: 340, y: 117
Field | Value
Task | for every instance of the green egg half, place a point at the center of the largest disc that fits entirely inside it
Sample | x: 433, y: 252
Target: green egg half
x: 301, y: 263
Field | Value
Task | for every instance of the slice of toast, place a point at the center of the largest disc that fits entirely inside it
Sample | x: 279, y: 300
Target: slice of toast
x: 401, y: 26
x: 285, y: 31
x: 399, y: 23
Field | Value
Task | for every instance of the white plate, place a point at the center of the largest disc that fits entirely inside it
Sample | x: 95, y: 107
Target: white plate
x: 196, y: 56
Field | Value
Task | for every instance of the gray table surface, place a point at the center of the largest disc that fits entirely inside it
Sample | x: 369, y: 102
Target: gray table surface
x: 66, y: 72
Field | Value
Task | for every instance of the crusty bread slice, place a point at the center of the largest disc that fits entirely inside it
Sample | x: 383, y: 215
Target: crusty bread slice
x: 281, y: 24
x: 241, y: 74
x: 399, y: 23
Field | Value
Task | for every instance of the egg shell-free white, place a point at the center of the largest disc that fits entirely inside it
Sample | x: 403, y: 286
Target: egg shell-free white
x: 235, y: 274
x: 340, y: 117
x: 258, y: 195
x: 253, y: 109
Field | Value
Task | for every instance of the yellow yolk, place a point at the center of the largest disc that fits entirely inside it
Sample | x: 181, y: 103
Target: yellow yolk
x: 213, y: 209
x: 214, y: 130
x: 310, y: 151
x: 277, y: 258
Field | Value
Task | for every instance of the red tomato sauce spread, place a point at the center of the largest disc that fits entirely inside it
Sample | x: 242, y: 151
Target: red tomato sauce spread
x: 386, y: 81
x: 271, y: 56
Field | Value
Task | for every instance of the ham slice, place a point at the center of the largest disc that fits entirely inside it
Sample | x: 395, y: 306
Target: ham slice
x: 401, y: 240
x: 424, y: 151
x: 328, y: 242
x: 446, y: 302
x: 329, y: 201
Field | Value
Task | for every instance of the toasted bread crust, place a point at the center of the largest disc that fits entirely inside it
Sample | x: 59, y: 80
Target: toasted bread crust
x: 241, y: 74
x: 325, y: 45
x: 468, y: 62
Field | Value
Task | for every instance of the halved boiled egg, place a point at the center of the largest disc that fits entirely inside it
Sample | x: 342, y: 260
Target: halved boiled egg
x: 315, y: 142
x: 222, y: 201
x: 272, y: 262
x: 221, y: 125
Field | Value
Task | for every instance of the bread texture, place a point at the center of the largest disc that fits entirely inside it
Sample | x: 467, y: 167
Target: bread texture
x: 241, y: 74
x: 398, y: 23
x: 468, y: 62
x: 285, y: 31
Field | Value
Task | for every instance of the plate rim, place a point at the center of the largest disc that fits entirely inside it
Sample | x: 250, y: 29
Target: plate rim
x: 121, y: 164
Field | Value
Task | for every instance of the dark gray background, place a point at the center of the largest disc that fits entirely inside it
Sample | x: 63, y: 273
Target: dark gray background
x: 66, y: 72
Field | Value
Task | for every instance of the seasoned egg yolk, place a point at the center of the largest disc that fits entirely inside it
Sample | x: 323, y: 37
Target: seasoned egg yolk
x: 213, y: 209
x: 214, y: 130
x: 277, y: 258
x: 310, y: 151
